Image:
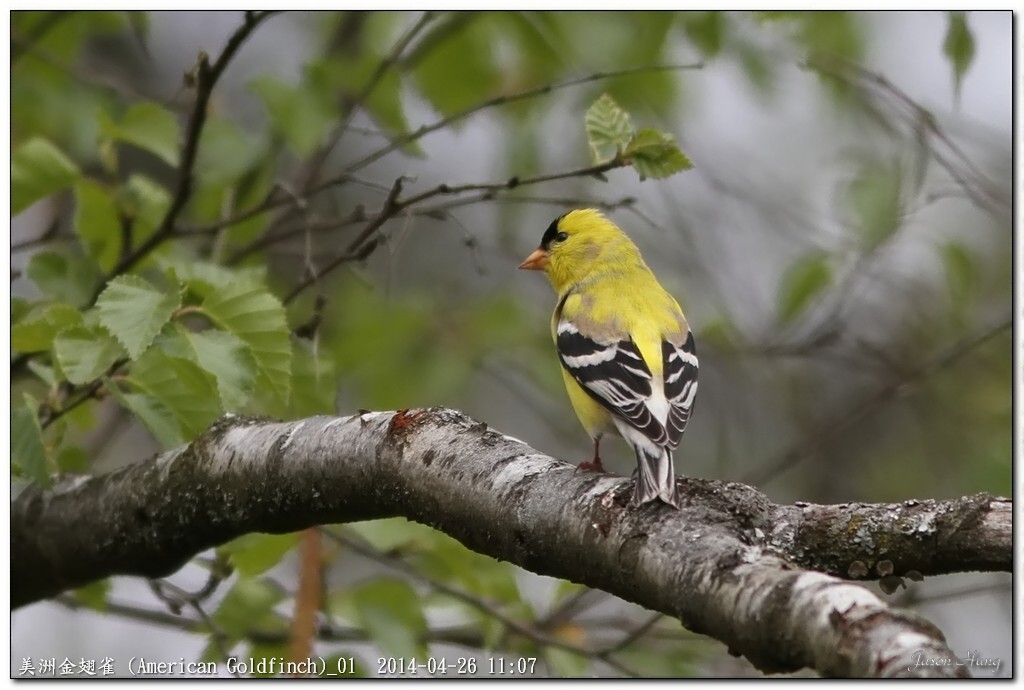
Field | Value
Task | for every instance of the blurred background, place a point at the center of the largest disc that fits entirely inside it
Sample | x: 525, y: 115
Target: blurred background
x: 842, y: 248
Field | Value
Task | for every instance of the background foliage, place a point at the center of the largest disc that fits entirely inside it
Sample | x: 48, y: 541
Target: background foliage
x: 325, y: 213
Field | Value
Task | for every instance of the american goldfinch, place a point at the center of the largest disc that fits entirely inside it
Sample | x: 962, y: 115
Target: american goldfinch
x: 628, y: 357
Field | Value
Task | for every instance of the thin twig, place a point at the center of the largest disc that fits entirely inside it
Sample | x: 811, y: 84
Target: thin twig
x: 383, y: 67
x: 273, y: 201
x: 206, y: 77
x: 391, y: 206
x: 364, y: 243
x: 21, y: 44
x: 920, y: 118
x: 863, y: 406
x: 504, y: 100
x: 530, y: 632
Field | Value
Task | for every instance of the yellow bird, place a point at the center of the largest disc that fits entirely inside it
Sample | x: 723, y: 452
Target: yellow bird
x: 628, y: 357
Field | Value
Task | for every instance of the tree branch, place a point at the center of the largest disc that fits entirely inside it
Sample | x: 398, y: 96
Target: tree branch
x: 728, y: 564
x: 206, y: 77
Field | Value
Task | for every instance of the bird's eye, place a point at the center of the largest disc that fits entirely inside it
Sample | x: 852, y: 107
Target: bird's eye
x: 562, y: 236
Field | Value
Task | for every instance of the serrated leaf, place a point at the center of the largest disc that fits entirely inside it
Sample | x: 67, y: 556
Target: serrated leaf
x: 801, y: 283
x: 958, y: 47
x: 153, y: 415
x: 203, y: 278
x: 67, y: 277
x: 247, y: 606
x: 391, y: 612
x: 36, y: 333
x: 875, y: 197
x: 258, y: 319
x: 153, y: 128
x: 295, y: 112
x: 38, y: 169
x: 97, y: 223
x: 28, y: 454
x: 182, y: 386
x: 609, y: 129
x: 223, y: 355
x: 134, y: 311
x: 86, y: 352
x: 253, y: 554
x: 655, y: 154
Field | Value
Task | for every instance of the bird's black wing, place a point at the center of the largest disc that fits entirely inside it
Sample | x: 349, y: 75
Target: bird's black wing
x: 612, y: 372
x: 680, y: 371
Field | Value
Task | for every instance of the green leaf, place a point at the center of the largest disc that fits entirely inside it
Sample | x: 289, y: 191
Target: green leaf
x: 225, y: 152
x: 152, y: 128
x: 138, y: 22
x: 655, y: 154
x: 182, y: 386
x: 203, y: 278
x: 801, y: 283
x: 28, y: 455
x: 875, y: 197
x: 73, y: 459
x: 97, y: 223
x: 961, y: 274
x: 457, y: 71
x: 86, y: 352
x: 44, y: 373
x: 38, y: 169
x: 20, y: 308
x: 609, y: 129
x: 720, y: 334
x: 248, y: 606
x: 221, y: 354
x: 153, y: 415
x: 253, y: 554
x: 565, y: 664
x: 258, y: 319
x: 67, y: 277
x: 389, y: 534
x: 94, y: 594
x: 391, y: 612
x: 958, y: 47
x: 295, y: 112
x: 146, y: 202
x: 661, y: 660
x: 705, y: 30
x: 36, y: 332
x: 134, y: 311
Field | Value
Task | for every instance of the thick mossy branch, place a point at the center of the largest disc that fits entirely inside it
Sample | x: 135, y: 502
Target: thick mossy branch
x: 730, y: 564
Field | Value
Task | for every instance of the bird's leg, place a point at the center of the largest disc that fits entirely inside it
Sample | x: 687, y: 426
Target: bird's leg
x: 594, y: 464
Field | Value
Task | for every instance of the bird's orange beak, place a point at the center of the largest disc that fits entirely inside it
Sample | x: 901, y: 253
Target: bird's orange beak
x: 537, y: 261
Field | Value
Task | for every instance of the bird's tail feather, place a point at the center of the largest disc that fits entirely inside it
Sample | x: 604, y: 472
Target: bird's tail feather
x: 656, y: 477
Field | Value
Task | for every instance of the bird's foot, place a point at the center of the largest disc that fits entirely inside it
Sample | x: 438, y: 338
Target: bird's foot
x: 591, y: 465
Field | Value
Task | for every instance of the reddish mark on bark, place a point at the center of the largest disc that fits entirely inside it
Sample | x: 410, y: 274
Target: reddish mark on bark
x: 404, y: 420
